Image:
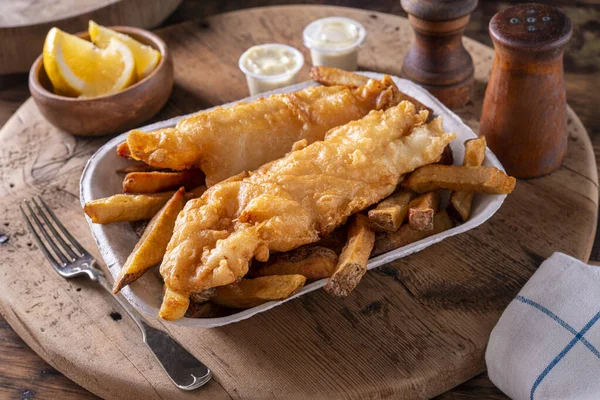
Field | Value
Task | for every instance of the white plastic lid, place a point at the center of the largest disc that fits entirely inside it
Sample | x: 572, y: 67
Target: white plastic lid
x: 325, y: 36
x: 298, y: 58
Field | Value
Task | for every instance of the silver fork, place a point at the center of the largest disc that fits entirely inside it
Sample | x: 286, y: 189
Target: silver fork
x: 70, y: 259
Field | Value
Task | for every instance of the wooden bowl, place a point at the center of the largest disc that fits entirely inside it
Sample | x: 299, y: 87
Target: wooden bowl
x: 112, y: 113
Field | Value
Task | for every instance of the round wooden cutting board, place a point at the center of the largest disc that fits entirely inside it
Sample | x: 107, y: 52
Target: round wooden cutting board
x: 25, y: 23
x: 412, y: 329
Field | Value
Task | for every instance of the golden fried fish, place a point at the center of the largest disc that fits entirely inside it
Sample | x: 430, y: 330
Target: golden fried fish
x: 295, y: 200
x: 226, y: 141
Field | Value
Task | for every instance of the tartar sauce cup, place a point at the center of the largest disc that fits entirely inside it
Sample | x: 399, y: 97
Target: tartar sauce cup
x: 334, y: 42
x: 270, y: 66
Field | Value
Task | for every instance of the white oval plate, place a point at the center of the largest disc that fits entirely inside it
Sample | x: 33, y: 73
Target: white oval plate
x: 116, y: 240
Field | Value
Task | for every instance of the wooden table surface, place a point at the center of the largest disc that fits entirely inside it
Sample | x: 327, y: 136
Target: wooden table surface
x: 24, y: 375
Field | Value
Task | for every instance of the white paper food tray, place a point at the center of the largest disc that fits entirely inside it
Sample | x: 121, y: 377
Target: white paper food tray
x: 116, y: 241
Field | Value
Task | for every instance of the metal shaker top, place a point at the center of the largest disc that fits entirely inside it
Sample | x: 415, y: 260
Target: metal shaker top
x: 531, y: 26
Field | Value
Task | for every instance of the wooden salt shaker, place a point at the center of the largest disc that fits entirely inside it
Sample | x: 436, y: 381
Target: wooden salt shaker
x: 437, y: 60
x: 524, y: 112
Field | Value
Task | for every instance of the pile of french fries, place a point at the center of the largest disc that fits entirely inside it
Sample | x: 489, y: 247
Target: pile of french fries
x: 412, y: 213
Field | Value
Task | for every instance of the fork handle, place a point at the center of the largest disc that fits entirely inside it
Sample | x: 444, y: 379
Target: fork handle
x: 185, y: 370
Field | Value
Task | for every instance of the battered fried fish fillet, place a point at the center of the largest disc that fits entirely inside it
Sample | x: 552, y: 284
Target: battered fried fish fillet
x: 296, y: 199
x: 226, y: 141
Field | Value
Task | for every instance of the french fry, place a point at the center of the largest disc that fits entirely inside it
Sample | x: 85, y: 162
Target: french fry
x: 391, y: 212
x: 447, y: 157
x: 152, y: 246
x: 336, y: 240
x: 389, y: 241
x: 174, y: 305
x: 330, y: 76
x: 156, y: 181
x: 137, y: 168
x: 126, y: 207
x: 472, y: 179
x: 253, y: 292
x: 123, y: 150
x: 312, y: 262
x: 204, y: 310
x: 203, y: 296
x: 201, y: 307
x: 353, y: 261
x: 421, y: 211
x: 459, y: 206
x: 474, y: 152
x: 132, y: 207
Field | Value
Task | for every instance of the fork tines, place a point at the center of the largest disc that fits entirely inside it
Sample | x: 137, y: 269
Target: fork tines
x: 65, y: 249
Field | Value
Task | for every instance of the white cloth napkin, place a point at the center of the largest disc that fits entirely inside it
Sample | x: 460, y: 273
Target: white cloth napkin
x: 546, y: 345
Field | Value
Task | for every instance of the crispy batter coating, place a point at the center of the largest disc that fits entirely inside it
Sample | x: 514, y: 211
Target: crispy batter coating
x: 297, y: 199
x: 226, y: 141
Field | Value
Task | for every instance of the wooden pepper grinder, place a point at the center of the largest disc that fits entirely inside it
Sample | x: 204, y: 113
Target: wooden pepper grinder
x: 524, y: 111
x: 438, y: 60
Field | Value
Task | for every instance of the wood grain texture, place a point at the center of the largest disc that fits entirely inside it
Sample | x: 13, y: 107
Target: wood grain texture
x: 19, y: 360
x: 524, y: 117
x: 437, y: 59
x: 432, y: 10
x: 25, y: 23
x: 583, y: 93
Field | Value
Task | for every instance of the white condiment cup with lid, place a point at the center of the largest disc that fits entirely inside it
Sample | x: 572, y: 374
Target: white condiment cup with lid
x: 270, y: 66
x: 334, y: 42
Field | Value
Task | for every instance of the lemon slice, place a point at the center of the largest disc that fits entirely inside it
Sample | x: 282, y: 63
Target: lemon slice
x: 78, y: 68
x: 146, y: 58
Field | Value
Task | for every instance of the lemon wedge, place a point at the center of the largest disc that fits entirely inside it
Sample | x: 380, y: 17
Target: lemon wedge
x: 146, y: 58
x: 78, y: 68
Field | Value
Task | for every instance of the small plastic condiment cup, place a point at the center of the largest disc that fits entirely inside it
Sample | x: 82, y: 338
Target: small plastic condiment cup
x: 259, y: 83
x: 344, y: 57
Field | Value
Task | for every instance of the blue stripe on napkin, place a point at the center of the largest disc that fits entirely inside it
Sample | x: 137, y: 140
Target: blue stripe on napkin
x: 563, y: 353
